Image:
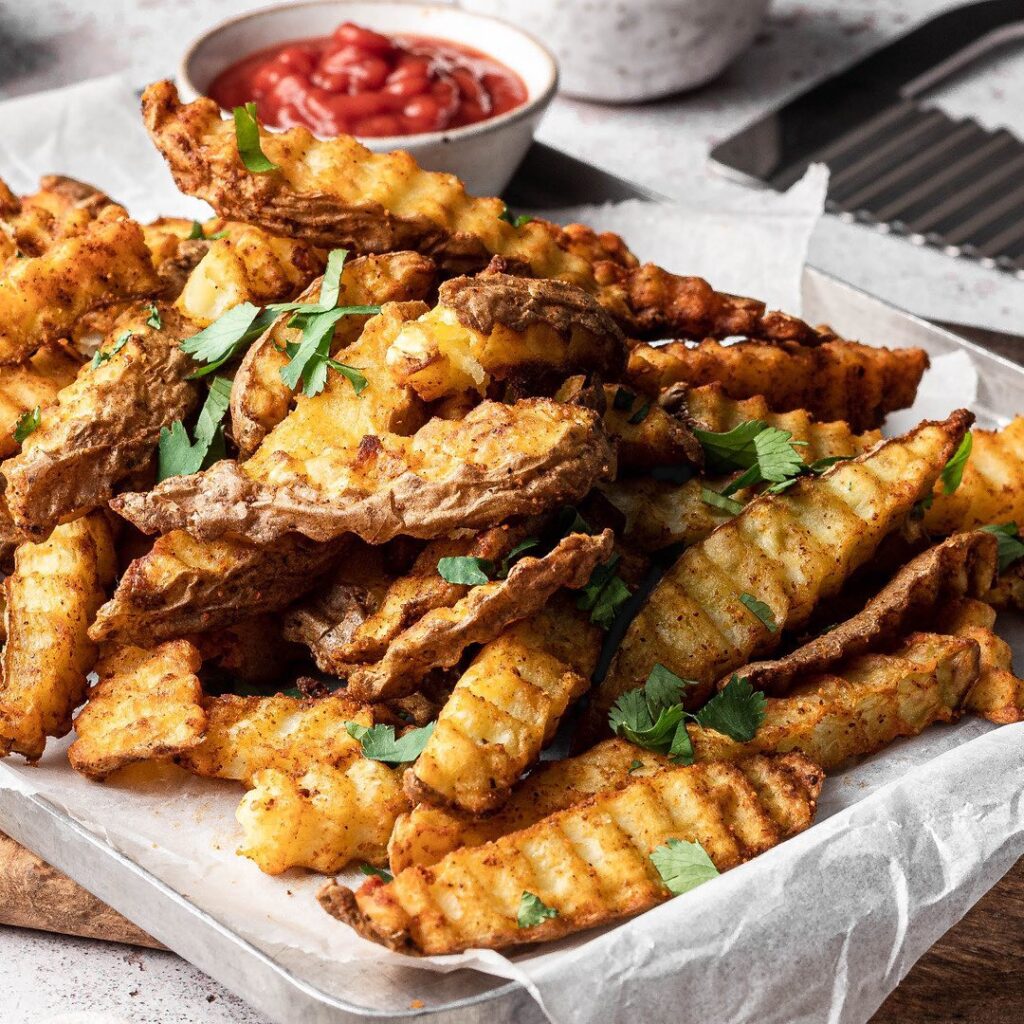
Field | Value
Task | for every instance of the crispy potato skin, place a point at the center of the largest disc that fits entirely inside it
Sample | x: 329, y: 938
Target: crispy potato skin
x: 862, y: 706
x: 147, y: 705
x: 51, y: 598
x: 1008, y: 591
x: 439, y: 637
x: 504, y: 709
x: 836, y: 380
x: 602, y: 849
x: 499, y: 461
x: 962, y: 566
x: 789, y: 551
x: 41, y: 297
x: 35, y: 382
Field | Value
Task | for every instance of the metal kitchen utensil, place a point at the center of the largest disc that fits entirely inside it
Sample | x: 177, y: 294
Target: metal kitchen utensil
x: 895, y: 162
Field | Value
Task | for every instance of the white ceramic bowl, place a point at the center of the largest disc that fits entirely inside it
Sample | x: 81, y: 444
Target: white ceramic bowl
x: 629, y: 50
x: 484, y: 155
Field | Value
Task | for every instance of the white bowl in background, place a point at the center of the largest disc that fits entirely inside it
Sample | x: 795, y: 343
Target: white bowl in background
x: 483, y: 155
x: 630, y: 50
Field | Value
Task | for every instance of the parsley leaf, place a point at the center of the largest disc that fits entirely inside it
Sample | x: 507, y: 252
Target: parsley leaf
x: 570, y: 521
x: 176, y: 455
x: 635, y: 765
x: 371, y: 871
x: 682, y: 866
x: 227, y: 336
x: 153, y: 320
x: 623, y: 400
x: 604, y: 594
x: 732, y: 449
x: 379, y: 743
x: 28, y: 422
x: 516, y: 221
x: 652, y: 716
x: 766, y: 454
x: 818, y: 466
x: 1011, y: 545
x: 717, y: 500
x: 761, y: 611
x: 310, y: 358
x: 640, y: 415
x: 330, y: 287
x: 101, y: 356
x: 737, y: 710
x: 527, y: 544
x: 953, y: 474
x: 247, y: 138
x: 533, y: 911
x: 465, y: 570
x: 198, y: 233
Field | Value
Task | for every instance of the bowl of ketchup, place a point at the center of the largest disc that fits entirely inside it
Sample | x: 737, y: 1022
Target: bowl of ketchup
x: 461, y: 92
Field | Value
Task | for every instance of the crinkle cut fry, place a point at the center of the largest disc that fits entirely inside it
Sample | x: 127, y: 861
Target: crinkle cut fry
x: 471, y: 897
x: 438, y: 639
x: 51, y: 598
x: 787, y: 551
x: 836, y: 380
x: 504, y: 709
x: 338, y: 193
x: 147, y: 705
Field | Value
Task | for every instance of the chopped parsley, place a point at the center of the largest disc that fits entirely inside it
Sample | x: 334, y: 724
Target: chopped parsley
x: 516, y: 221
x: 227, y: 336
x: 635, y: 765
x: 533, y: 911
x: 623, y: 399
x: 101, y: 356
x: 247, y: 138
x: 177, y: 456
x: 604, y: 594
x: 198, y: 233
x: 765, y: 454
x: 1011, y: 545
x: 153, y: 320
x: 28, y: 422
x: 952, y: 476
x: 713, y: 498
x: 379, y: 744
x: 737, y: 710
x: 761, y: 611
x: 370, y: 871
x: 465, y: 570
x: 640, y: 415
x: 682, y: 865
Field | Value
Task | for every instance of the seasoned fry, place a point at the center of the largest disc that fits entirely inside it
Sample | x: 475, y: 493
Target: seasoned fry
x: 438, y: 638
x: 504, y: 710
x: 1008, y: 591
x: 590, y: 863
x: 147, y: 705
x: 498, y: 462
x: 998, y: 695
x: 60, y: 209
x: 41, y: 297
x: 837, y: 380
x: 32, y: 383
x: 787, y: 552
x: 50, y: 600
x: 962, y: 566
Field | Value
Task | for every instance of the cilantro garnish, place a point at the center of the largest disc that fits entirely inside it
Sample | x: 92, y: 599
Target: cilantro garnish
x: 717, y: 500
x: 682, y: 866
x: 765, y: 454
x: 198, y: 233
x: 227, y: 336
x: 177, y: 456
x: 28, y: 422
x: 101, y: 356
x: 533, y: 911
x: 1011, y: 545
x: 465, y: 570
x: 820, y: 465
x: 516, y: 221
x: 761, y: 611
x: 527, y: 544
x: 635, y: 765
x: 247, y: 138
x: 640, y: 415
x: 652, y: 716
x: 737, y: 710
x: 153, y: 320
x: 370, y: 870
x: 604, y: 594
x: 311, y: 357
x: 379, y: 743
x: 953, y: 474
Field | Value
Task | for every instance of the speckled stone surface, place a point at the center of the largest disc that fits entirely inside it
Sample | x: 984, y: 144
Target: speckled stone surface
x: 48, y: 979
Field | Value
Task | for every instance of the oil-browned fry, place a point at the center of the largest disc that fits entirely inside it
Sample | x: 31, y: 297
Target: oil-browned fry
x: 146, y: 705
x: 992, y: 488
x: 491, y: 329
x: 51, y: 598
x: 998, y: 695
x: 861, y: 706
x: 337, y: 193
x: 41, y: 297
x: 591, y: 864
x: 500, y: 461
x: 1008, y: 591
x: 729, y: 597
x: 504, y: 709
x: 184, y: 586
x: 836, y: 380
x: 30, y: 385
x: 251, y: 651
x: 260, y: 399
x: 321, y: 819
x: 438, y: 638
x: 962, y: 566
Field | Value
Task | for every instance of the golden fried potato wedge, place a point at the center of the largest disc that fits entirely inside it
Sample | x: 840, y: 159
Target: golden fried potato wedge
x: 591, y: 863
x: 504, y: 709
x: 964, y: 565
x: 50, y: 600
x: 1008, y: 591
x: 992, y: 488
x: 490, y: 329
x: 998, y: 695
x: 260, y: 399
x: 147, y: 705
x: 730, y: 596
x: 33, y: 384
x: 41, y: 297
x: 439, y: 638
x: 861, y: 706
x: 321, y: 819
x: 498, y: 462
x: 836, y: 380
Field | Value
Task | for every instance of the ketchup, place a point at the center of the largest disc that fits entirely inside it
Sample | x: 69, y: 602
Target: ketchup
x: 359, y: 82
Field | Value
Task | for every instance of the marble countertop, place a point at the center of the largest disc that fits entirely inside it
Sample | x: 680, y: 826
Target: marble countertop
x: 48, y: 979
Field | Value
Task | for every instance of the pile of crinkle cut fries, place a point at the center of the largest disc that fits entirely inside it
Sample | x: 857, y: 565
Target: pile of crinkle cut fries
x: 347, y: 494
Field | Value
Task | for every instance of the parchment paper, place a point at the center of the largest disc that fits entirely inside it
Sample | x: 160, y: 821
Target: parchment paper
x: 819, y: 929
